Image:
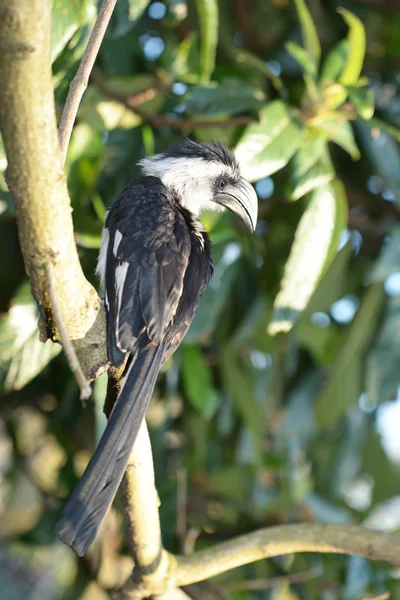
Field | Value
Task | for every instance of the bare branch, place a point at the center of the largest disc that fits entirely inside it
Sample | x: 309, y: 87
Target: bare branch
x: 80, y: 82
x: 286, y: 539
x: 73, y: 361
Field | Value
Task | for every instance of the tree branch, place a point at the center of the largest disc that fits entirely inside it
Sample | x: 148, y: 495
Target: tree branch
x: 73, y: 361
x: 157, y: 121
x: 37, y: 182
x: 80, y: 82
x: 140, y: 504
x: 286, y: 539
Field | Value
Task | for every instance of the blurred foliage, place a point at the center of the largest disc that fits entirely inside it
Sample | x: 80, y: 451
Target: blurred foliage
x: 282, y: 404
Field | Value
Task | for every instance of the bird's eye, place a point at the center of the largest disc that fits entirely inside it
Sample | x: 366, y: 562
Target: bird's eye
x: 222, y: 184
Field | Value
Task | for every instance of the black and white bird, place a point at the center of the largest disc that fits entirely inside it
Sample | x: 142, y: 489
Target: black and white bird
x: 154, y: 264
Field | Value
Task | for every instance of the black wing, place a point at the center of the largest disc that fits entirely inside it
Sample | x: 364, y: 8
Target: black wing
x: 147, y: 257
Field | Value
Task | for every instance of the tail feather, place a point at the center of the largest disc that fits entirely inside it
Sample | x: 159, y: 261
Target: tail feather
x: 92, y: 497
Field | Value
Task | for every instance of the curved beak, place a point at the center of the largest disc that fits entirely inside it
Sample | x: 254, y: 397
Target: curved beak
x: 241, y: 199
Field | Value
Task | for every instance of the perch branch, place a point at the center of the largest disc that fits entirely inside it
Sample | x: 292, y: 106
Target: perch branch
x: 37, y: 182
x: 184, y: 570
x: 80, y: 82
x: 140, y: 503
x: 73, y: 361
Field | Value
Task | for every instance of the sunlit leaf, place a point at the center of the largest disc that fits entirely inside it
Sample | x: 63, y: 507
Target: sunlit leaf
x: 66, y: 18
x: 230, y: 97
x: 208, y: 16
x: 344, y: 377
x: 314, y: 247
x: 357, y: 46
x: 197, y: 379
x: 342, y: 134
x: 267, y: 146
x: 22, y: 355
x: 308, y: 31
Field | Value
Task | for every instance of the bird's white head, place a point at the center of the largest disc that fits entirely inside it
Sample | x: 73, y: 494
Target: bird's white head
x: 205, y: 176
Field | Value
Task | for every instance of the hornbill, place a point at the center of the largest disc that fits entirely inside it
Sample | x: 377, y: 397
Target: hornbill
x: 154, y: 264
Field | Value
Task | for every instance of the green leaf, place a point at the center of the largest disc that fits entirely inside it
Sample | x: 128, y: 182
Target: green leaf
x: 230, y: 97
x: 212, y: 303
x: 357, y: 47
x: 383, y: 153
x: 384, y: 472
x: 22, y: 355
x: 342, y: 134
x: 389, y: 259
x: 335, y: 62
x: 314, y: 247
x: 137, y: 8
x: 303, y: 57
x: 125, y: 16
x: 246, y: 60
x: 363, y: 100
x: 344, y: 377
x: 65, y: 21
x: 208, y: 17
x: 267, y: 146
x: 308, y: 31
x: 311, y: 168
x: 197, y: 380
x: 382, y: 369
x: 238, y: 385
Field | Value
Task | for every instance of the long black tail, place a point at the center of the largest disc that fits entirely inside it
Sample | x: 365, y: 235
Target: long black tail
x: 92, y: 497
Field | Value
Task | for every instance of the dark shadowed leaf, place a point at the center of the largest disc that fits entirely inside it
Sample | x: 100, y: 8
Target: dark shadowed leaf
x: 344, y: 382
x: 382, y: 372
x: 197, y: 379
x: 125, y: 16
x: 230, y: 97
x: 363, y: 100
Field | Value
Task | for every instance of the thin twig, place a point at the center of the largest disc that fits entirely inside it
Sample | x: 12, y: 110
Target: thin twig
x: 74, y: 364
x: 80, y: 81
x: 157, y: 121
x: 263, y: 584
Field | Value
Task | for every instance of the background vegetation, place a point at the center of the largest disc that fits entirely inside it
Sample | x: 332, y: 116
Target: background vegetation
x: 281, y: 405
